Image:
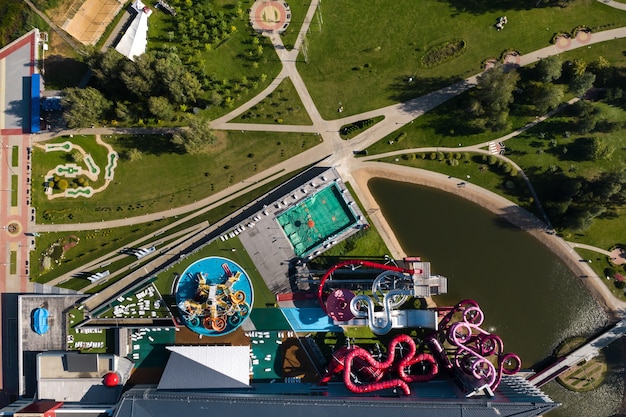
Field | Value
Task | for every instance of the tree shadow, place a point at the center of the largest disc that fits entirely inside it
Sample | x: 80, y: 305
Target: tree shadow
x: 577, y: 151
x: 64, y: 72
x: 151, y: 144
x: 403, y: 90
x: 481, y: 7
x: 19, y: 110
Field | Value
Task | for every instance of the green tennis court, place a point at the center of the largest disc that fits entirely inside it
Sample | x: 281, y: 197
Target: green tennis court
x: 316, y: 219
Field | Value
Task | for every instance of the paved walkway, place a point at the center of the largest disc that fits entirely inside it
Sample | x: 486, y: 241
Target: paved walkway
x: 589, y: 247
x: 614, y: 4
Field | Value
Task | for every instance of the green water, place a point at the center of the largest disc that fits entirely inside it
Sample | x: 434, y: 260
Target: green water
x: 529, y: 296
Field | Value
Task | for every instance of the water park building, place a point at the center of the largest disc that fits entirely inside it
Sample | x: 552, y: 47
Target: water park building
x: 354, y: 333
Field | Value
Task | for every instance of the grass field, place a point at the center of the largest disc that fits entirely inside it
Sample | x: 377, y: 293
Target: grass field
x: 599, y: 262
x: 283, y: 106
x: 94, y: 244
x: 441, y: 127
x: 181, y: 178
x: 584, y: 376
x: 373, y: 49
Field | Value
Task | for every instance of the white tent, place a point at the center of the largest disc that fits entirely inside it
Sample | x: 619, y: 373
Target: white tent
x: 135, y: 39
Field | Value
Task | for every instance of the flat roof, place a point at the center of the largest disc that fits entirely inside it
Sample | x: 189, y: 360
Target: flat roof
x: 206, y: 367
x: 17, y: 65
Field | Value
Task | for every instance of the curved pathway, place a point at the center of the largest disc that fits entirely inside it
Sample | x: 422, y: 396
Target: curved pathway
x: 589, y: 247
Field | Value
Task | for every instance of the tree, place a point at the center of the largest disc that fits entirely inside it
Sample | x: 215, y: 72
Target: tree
x: 121, y: 111
x: 494, y: 94
x: 596, y: 148
x: 83, y: 107
x: 602, y: 69
x: 158, y: 73
x: 579, y: 67
x: 548, y: 97
x: 197, y: 139
x: 161, y: 108
x: 135, y: 155
x: 77, y: 156
x: 62, y: 184
x: 549, y: 69
x: 580, y: 84
x: 106, y: 68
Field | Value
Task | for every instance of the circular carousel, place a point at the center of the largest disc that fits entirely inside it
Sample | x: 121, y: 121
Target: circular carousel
x: 214, y: 295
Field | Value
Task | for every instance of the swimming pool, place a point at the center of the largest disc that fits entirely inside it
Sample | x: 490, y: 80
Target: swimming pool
x: 214, y: 295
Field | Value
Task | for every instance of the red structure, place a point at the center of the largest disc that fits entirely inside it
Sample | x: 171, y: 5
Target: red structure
x: 363, y: 373
x: 112, y: 379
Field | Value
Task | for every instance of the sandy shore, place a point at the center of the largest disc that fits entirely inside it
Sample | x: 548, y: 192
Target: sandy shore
x: 493, y: 202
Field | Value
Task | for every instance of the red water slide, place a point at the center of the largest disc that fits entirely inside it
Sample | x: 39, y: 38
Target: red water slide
x: 360, y: 388
x: 357, y: 361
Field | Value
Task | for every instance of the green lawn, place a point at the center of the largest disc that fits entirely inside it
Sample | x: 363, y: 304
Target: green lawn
x: 92, y: 245
x: 14, y: 190
x: 13, y: 262
x: 371, y: 50
x: 283, y: 106
x: 15, y: 156
x: 164, y: 177
x: 351, y: 130
x: 599, y: 262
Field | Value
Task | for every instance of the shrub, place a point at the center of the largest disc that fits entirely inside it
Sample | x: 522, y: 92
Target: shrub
x: 443, y: 52
x: 558, y: 35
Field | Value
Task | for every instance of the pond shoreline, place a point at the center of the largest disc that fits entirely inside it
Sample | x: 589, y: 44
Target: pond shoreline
x: 498, y: 205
